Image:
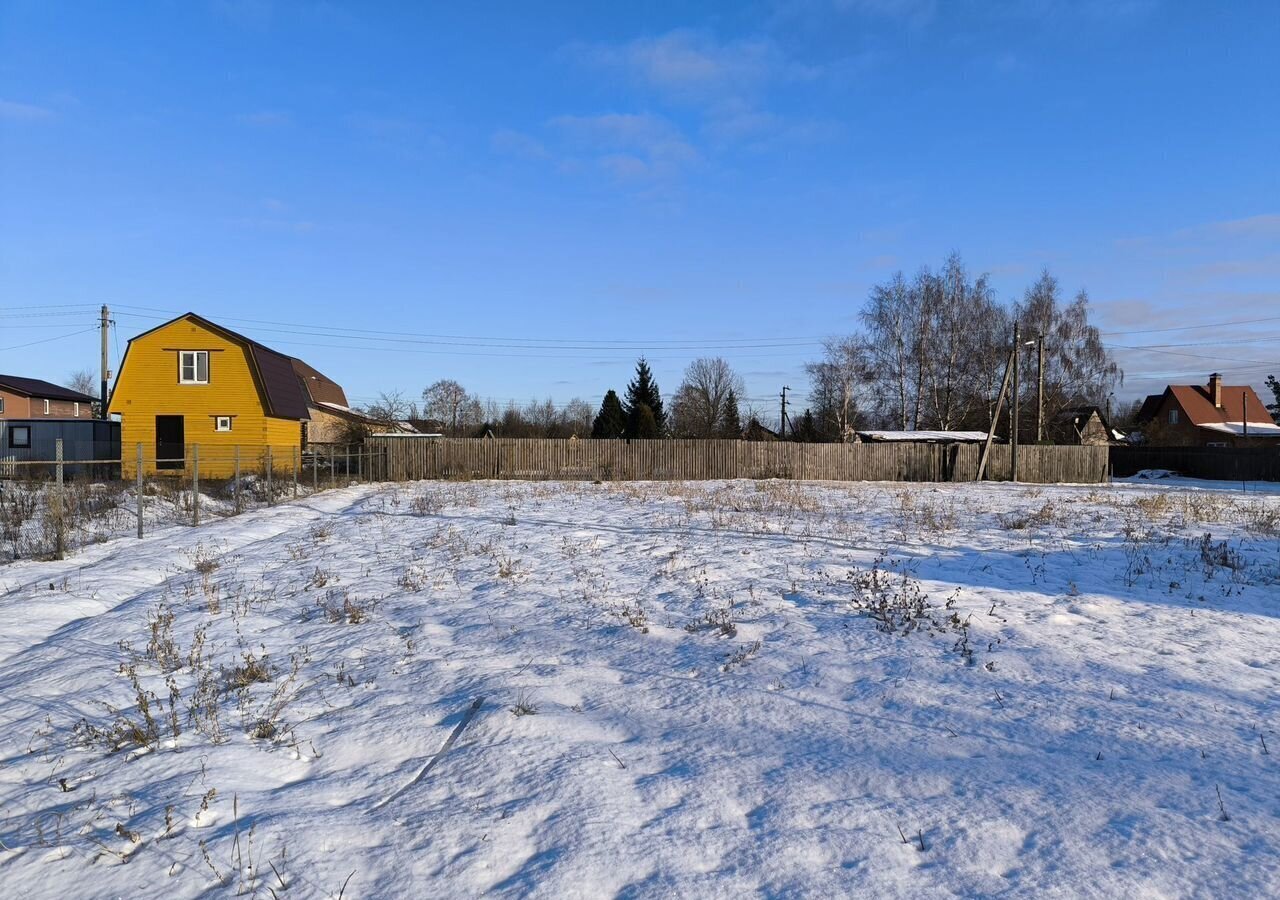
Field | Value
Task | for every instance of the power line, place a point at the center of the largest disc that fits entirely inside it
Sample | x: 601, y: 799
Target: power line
x: 512, y: 342
x: 49, y: 340
x: 1218, y: 358
x: 1191, y: 327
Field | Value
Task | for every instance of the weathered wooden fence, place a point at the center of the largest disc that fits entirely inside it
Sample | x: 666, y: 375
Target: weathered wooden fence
x: 406, y: 458
x: 1222, y: 463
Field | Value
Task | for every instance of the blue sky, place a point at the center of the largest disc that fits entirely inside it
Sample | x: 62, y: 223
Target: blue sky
x: 556, y: 187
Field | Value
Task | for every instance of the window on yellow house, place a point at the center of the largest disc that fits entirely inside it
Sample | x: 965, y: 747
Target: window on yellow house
x: 222, y: 423
x: 193, y: 366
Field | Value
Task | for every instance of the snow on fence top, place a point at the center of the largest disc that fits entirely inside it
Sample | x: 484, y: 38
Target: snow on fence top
x: 946, y: 436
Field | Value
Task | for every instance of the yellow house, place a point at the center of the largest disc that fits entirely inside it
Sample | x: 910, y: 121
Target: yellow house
x: 191, y: 387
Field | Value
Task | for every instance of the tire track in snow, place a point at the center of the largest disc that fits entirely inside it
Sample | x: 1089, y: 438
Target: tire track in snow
x: 133, y: 568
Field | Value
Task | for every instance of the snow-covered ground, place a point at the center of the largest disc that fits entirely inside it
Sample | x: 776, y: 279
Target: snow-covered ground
x: 702, y: 690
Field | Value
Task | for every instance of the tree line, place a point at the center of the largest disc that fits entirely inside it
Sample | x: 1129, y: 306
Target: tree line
x: 929, y: 353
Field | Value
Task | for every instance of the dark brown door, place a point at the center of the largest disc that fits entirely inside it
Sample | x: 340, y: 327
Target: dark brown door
x: 170, y: 444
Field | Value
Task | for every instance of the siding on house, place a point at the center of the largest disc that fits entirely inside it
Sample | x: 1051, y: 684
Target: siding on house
x: 148, y: 386
x: 18, y: 406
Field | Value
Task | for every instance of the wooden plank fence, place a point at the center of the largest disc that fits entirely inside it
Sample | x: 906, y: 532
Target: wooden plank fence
x: 407, y: 458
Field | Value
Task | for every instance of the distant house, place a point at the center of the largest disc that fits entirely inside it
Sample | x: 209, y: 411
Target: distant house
x: 191, y: 382
x: 757, y: 432
x: 331, y: 420
x: 1212, y: 415
x: 31, y: 398
x: 1085, y: 425
x: 35, y: 415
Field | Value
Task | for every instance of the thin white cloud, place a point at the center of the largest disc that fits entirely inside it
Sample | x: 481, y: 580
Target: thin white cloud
x: 23, y: 112
x: 509, y: 142
x: 641, y: 136
x: 693, y: 64
x: 1265, y: 225
x: 726, y: 81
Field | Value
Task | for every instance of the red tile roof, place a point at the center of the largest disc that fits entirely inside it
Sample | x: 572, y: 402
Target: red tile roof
x: 1197, y: 403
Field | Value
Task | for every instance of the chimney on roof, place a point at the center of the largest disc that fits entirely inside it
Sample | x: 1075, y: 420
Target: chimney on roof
x: 1215, y: 389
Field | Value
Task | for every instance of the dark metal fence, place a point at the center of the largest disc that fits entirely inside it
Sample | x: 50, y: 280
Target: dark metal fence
x: 1219, y: 463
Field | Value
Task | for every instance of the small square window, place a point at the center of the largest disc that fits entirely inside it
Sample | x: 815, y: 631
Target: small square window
x: 222, y: 423
x: 193, y: 366
x: 20, y: 436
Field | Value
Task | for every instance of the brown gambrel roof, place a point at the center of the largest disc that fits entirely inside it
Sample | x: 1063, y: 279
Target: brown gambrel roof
x: 42, y: 390
x: 282, y: 392
x: 319, y: 388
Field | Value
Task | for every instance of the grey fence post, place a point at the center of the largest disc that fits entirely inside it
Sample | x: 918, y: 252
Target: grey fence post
x: 235, y: 452
x: 346, y: 462
x: 139, y: 488
x: 60, y: 518
x: 294, y: 453
x: 195, y: 484
x: 271, y: 500
x: 333, y: 467
x: 315, y: 476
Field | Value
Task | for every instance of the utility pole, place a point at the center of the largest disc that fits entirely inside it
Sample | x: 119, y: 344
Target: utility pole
x: 1013, y: 410
x: 995, y: 417
x: 783, y: 426
x: 1040, y: 389
x: 106, y: 372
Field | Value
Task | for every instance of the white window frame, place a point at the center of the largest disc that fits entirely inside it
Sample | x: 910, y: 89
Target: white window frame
x: 46, y: 407
x: 1, y: 406
x: 195, y: 357
x: 77, y: 409
x: 218, y: 422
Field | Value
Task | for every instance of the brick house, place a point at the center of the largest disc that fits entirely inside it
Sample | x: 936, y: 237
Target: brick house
x: 1212, y: 415
x: 31, y: 398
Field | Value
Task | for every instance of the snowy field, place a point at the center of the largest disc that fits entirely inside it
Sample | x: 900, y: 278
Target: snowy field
x: 696, y: 690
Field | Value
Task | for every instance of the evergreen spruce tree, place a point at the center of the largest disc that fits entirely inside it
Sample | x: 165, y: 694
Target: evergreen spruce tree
x: 807, y: 430
x: 643, y: 393
x: 642, y: 424
x: 1275, y: 389
x: 730, y: 421
x: 611, y: 421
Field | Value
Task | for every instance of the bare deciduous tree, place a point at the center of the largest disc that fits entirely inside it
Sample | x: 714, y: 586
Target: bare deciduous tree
x: 932, y: 353
x: 701, y: 403
x: 834, y: 384
x: 391, y: 406
x: 86, y: 382
x: 1078, y: 369
x: 449, y: 402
